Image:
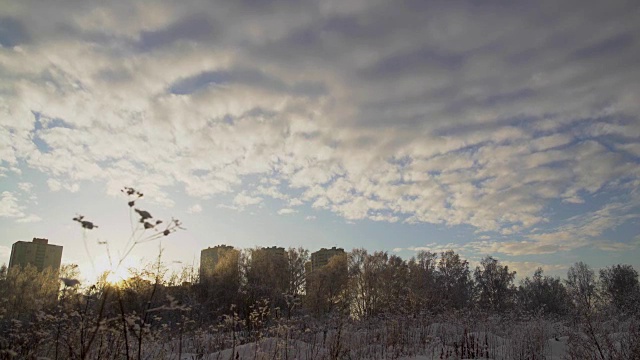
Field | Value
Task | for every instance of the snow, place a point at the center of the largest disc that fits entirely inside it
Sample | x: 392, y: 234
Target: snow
x: 277, y: 348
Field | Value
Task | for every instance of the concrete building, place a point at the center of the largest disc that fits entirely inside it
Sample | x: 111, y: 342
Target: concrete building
x: 321, y: 257
x: 210, y: 257
x: 38, y: 253
x: 273, y: 252
x: 268, y: 269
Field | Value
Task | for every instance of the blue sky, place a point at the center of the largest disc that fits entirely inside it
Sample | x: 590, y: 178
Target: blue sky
x: 509, y: 129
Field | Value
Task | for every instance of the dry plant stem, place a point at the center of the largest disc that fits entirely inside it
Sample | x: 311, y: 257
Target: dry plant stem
x: 593, y: 335
x: 124, y: 324
x: 146, y: 313
x: 85, y: 349
x: 58, y: 336
x: 180, y: 343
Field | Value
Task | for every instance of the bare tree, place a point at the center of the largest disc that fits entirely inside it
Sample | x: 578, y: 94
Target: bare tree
x: 619, y: 285
x: 454, y: 281
x: 582, y: 287
x: 327, y: 287
x: 543, y: 293
x: 495, y: 285
x: 423, y: 291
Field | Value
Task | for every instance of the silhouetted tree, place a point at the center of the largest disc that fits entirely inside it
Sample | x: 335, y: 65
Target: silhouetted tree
x: 25, y: 290
x: 543, y: 293
x: 620, y: 287
x: 454, y: 281
x: 395, y: 290
x: 582, y: 287
x: 494, y: 284
x: 220, y: 289
x: 366, y: 282
x: 266, y: 277
x: 296, y: 260
x: 327, y: 287
x: 423, y: 291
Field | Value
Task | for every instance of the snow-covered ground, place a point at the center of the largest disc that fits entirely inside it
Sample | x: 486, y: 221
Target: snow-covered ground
x: 399, y: 338
x: 274, y: 348
x: 544, y: 340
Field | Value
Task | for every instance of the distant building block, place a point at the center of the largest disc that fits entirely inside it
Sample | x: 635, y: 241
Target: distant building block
x: 210, y: 257
x: 38, y: 253
x: 321, y: 257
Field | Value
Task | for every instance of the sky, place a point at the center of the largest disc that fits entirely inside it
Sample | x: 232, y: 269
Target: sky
x: 509, y: 129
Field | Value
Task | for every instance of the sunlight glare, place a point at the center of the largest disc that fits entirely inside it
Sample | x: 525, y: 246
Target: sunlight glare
x: 102, y: 265
x: 117, y: 276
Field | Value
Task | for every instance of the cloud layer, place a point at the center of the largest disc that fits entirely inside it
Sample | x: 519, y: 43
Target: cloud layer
x: 454, y: 114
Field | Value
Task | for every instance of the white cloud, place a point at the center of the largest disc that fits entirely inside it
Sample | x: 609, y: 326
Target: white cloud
x: 383, y: 217
x: 295, y: 202
x: 5, y: 253
x: 272, y: 192
x: 25, y: 186
x: 501, y: 136
x: 9, y: 206
x: 614, y: 246
x: 580, y: 231
x: 287, y: 211
x: 243, y: 200
x: 310, y: 217
x: 195, y: 209
x: 527, y: 268
x: 434, y: 248
x: 54, y: 185
x: 29, y: 219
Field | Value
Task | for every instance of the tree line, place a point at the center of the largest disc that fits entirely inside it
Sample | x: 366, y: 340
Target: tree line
x: 251, y: 290
x: 360, y: 284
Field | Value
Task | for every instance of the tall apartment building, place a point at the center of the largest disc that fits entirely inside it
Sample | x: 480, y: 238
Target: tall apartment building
x: 38, y: 253
x: 210, y: 257
x: 321, y: 257
x: 273, y: 252
x: 268, y: 269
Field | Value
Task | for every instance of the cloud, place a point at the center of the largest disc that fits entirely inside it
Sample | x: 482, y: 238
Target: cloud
x: 195, y: 209
x: 442, y: 114
x: 25, y: 186
x: 527, y: 268
x: 614, y: 246
x: 191, y: 28
x: 271, y: 191
x: 295, y: 202
x: 310, y: 217
x: 243, y: 200
x: 242, y: 77
x: 433, y: 247
x: 31, y: 218
x: 9, y: 206
x: 55, y: 185
x: 287, y: 211
x: 5, y: 253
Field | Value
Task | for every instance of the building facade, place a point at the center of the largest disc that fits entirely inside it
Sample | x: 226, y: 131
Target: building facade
x: 273, y: 252
x: 321, y: 257
x: 268, y: 270
x: 210, y: 257
x: 38, y: 253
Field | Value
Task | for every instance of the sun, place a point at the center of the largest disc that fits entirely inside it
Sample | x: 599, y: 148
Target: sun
x: 117, y: 276
x: 102, y: 269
